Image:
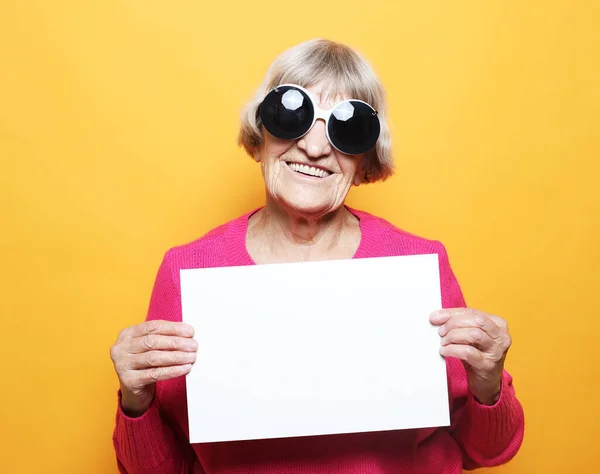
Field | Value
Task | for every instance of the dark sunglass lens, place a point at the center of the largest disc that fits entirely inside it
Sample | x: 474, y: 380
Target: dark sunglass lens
x: 287, y: 112
x: 353, y: 127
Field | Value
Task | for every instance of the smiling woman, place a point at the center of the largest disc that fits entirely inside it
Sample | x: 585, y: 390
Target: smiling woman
x: 317, y: 126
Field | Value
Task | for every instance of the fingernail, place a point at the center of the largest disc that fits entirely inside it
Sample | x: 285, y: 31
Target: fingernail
x: 435, y: 316
x: 442, y: 330
x: 192, y: 345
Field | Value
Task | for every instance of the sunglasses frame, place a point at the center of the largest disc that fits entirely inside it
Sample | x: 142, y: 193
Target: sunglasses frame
x: 325, y: 115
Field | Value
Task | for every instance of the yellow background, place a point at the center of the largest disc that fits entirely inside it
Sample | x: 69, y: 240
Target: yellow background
x: 117, y: 140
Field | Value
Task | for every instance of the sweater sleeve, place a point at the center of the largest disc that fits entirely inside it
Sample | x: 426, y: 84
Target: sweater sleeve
x: 146, y: 444
x: 488, y: 435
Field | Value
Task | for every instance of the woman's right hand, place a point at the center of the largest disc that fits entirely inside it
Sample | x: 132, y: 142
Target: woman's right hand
x: 149, y: 352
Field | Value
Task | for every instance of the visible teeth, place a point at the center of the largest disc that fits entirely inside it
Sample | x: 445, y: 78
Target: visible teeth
x: 309, y: 170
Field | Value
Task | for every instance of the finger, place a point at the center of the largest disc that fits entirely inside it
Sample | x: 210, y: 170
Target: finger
x: 469, y: 336
x: 471, y: 319
x: 157, y: 374
x: 162, y: 343
x: 501, y: 323
x: 471, y: 355
x: 440, y: 316
x: 165, y: 328
x: 151, y: 359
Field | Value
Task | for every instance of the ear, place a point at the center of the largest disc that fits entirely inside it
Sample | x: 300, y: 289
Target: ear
x: 359, y: 176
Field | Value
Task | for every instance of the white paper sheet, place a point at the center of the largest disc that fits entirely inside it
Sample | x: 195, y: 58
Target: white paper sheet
x: 314, y: 348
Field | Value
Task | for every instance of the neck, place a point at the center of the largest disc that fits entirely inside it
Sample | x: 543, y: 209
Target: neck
x: 289, y: 235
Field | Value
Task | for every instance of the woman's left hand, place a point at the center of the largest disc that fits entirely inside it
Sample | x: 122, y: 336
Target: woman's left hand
x: 481, y: 341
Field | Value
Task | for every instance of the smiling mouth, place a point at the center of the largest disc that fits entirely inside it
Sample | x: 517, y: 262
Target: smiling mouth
x: 308, y: 170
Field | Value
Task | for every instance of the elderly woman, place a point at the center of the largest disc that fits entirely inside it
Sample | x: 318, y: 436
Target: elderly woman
x: 317, y: 126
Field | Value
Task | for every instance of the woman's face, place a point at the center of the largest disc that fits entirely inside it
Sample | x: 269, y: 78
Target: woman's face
x: 289, y: 179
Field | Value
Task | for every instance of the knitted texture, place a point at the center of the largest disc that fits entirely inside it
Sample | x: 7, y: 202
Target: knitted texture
x: 158, y: 443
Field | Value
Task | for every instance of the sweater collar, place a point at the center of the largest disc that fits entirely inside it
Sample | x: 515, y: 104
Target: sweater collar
x: 238, y: 231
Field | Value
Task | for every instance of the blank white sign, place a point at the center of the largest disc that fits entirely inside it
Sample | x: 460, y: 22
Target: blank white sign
x: 314, y: 348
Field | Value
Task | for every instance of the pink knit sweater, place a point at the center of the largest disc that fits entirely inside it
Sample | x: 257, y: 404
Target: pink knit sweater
x: 157, y: 442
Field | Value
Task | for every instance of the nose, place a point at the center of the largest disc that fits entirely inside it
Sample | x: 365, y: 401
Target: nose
x: 315, y: 143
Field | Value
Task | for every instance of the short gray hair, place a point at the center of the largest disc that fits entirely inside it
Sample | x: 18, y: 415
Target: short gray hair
x: 341, y: 70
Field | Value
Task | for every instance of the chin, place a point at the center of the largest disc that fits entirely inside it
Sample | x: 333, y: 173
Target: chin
x: 309, y: 206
